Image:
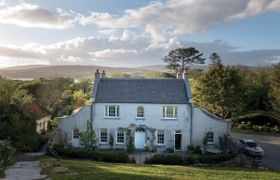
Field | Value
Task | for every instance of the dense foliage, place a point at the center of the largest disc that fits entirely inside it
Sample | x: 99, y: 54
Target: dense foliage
x: 5, y: 156
x: 233, y: 91
x: 105, y: 156
x: 229, y: 91
x: 275, y: 89
x: 177, y: 159
x: 22, y: 103
x: 220, y: 91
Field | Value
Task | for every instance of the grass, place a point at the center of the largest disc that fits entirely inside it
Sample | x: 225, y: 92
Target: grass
x: 82, y: 169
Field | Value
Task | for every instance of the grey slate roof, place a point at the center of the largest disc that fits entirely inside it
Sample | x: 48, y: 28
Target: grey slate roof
x: 157, y: 91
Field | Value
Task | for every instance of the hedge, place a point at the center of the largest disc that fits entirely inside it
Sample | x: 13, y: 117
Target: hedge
x: 176, y: 159
x: 78, y: 153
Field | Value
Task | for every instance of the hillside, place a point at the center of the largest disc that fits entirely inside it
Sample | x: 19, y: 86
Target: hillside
x: 30, y: 72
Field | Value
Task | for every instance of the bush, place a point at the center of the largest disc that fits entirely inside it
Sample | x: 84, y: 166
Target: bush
x: 28, y: 142
x: 195, y: 150
x: 177, y: 159
x: 169, y: 150
x: 110, y: 156
x: 173, y: 159
x: 5, y: 157
x: 258, y: 122
x: 215, y: 158
x: 189, y: 160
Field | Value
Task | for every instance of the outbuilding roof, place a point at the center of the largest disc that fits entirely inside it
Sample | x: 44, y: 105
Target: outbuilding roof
x: 134, y: 90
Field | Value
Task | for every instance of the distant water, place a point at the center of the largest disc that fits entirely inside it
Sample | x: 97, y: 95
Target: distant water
x: 22, y: 79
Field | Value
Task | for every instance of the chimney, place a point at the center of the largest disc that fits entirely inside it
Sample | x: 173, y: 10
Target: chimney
x: 97, y: 75
x: 185, y: 75
x: 103, y: 74
x: 178, y: 75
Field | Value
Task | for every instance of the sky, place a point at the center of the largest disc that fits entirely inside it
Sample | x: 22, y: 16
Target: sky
x: 130, y: 33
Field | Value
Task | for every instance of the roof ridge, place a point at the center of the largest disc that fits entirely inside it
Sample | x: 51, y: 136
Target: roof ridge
x: 140, y: 79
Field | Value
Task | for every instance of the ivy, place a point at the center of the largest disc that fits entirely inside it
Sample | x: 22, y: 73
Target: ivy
x: 130, y: 145
x: 88, y: 137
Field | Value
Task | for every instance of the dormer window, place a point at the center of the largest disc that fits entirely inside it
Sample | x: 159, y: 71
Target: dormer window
x: 140, y: 112
x: 112, y: 111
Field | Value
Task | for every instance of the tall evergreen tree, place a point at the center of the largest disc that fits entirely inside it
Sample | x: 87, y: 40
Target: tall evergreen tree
x: 215, y: 59
x: 179, y: 59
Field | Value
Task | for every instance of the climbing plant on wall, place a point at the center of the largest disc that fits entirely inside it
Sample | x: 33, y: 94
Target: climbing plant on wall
x: 130, y: 145
x: 88, y: 137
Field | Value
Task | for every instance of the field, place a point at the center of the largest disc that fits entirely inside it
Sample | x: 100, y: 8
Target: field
x: 81, y: 169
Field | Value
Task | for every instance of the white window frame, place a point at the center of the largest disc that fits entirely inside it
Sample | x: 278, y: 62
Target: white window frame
x: 100, y: 136
x: 137, y: 113
x: 174, y: 113
x: 74, y: 133
x: 117, y: 132
x: 207, y: 139
x: 107, y: 109
x: 158, y: 138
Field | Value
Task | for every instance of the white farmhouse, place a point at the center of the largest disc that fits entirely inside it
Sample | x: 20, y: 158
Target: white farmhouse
x: 158, y: 113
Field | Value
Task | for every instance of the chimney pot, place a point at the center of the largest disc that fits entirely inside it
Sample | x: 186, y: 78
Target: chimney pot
x: 97, y: 74
x: 103, y: 74
x: 185, y: 75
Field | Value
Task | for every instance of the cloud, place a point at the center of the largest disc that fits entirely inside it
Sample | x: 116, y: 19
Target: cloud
x: 180, y: 17
x: 3, y: 2
x: 13, y: 51
x: 112, y: 53
x: 30, y: 16
x: 120, y: 52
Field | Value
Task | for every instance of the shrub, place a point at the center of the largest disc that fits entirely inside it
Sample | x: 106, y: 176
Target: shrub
x: 169, y: 150
x: 260, y: 118
x: 189, y: 160
x: 109, y: 156
x: 5, y: 157
x: 28, y: 142
x: 173, y: 159
x: 215, y: 158
x: 176, y: 159
x: 129, y: 141
x: 196, y: 149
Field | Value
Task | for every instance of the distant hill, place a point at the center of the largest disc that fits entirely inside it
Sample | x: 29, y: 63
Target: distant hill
x: 86, y: 71
x: 72, y: 71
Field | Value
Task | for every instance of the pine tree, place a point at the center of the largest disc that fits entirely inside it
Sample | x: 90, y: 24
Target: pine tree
x: 179, y: 59
x: 215, y: 59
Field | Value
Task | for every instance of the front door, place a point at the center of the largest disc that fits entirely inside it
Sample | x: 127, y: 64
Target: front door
x: 76, y: 142
x: 76, y: 137
x: 140, y: 140
x: 178, y: 139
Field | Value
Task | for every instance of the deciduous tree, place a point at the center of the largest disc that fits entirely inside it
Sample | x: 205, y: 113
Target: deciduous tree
x: 220, y: 91
x: 275, y: 89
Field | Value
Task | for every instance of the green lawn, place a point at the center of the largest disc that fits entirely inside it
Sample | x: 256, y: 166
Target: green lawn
x: 82, y: 169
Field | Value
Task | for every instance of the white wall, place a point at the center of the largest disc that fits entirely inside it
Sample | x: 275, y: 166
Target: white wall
x: 202, y: 123
x: 77, y: 120
x: 152, y: 118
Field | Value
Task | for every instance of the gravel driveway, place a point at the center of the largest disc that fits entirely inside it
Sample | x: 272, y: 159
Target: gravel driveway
x: 271, y: 146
